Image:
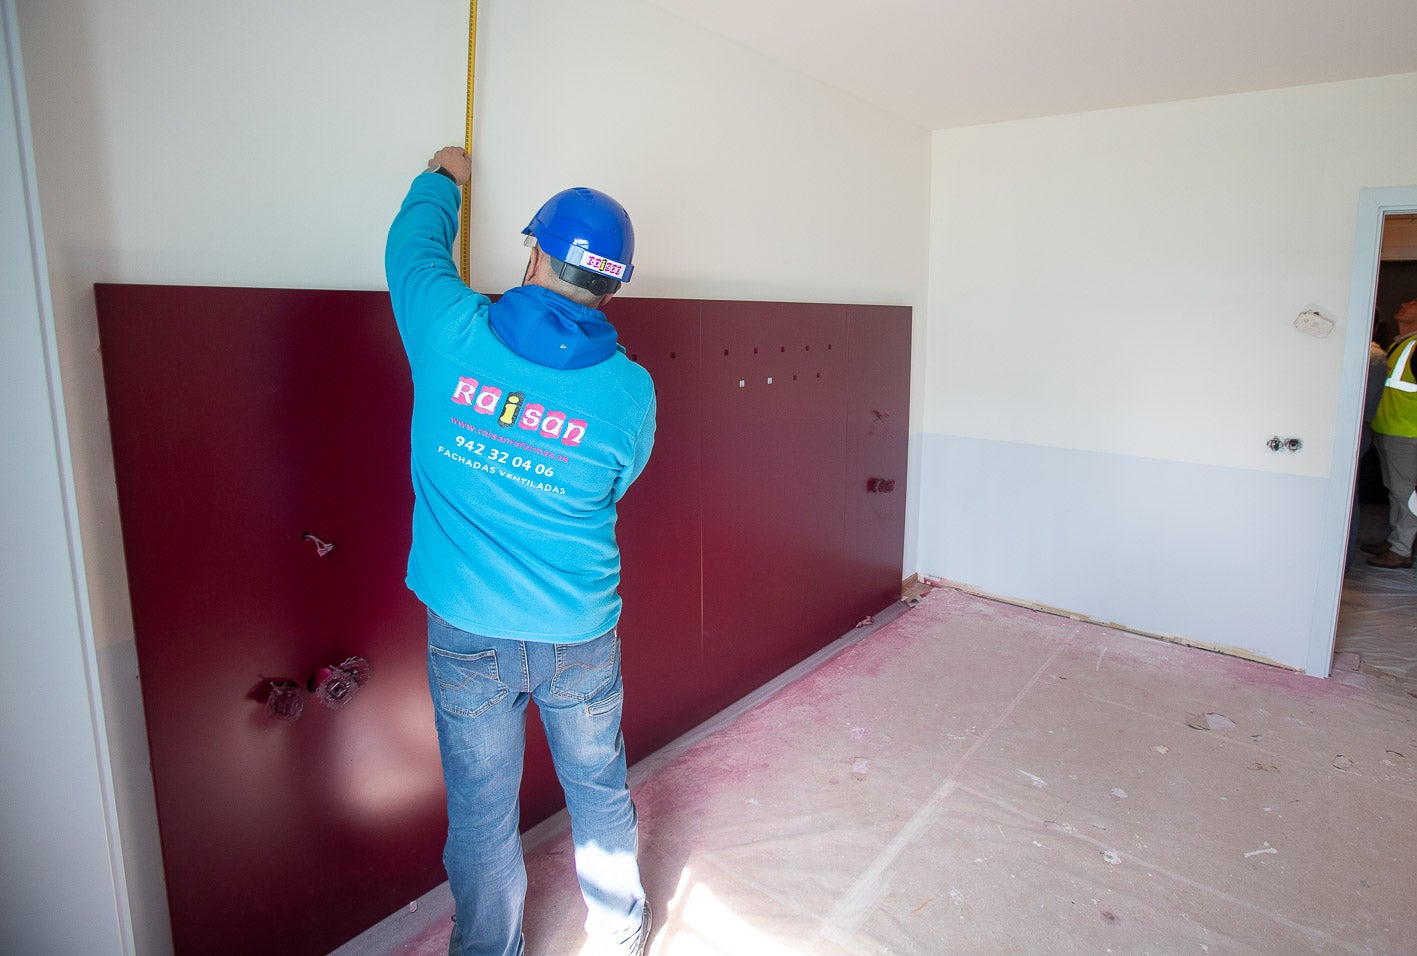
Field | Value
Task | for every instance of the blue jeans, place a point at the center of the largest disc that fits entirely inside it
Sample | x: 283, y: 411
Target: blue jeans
x: 480, y: 688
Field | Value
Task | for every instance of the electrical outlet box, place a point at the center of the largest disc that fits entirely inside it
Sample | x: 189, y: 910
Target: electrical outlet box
x: 1312, y: 323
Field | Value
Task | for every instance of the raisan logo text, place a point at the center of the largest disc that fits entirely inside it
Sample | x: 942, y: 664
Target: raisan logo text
x: 508, y: 409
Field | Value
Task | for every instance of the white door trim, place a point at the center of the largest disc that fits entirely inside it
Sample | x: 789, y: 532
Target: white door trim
x: 64, y: 883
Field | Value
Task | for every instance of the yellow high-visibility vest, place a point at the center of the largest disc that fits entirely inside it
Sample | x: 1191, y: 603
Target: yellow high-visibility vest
x: 1397, y: 409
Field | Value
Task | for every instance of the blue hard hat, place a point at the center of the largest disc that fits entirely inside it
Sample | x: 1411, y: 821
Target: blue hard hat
x: 589, y: 231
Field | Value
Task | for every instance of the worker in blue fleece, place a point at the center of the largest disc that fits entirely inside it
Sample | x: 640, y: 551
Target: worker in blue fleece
x: 529, y: 424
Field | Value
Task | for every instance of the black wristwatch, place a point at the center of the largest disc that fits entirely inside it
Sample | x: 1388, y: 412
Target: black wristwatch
x: 435, y: 168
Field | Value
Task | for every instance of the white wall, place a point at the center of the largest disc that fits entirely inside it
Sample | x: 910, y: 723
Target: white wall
x: 268, y: 144
x: 1111, y: 343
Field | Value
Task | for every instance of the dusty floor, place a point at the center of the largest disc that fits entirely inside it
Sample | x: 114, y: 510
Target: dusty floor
x: 972, y: 777
x: 1377, y: 619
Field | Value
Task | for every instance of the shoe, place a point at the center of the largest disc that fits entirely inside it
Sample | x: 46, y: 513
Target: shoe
x: 1391, y: 559
x: 646, y: 924
x: 1374, y: 547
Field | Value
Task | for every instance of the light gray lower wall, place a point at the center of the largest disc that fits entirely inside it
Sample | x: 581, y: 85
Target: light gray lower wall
x: 1219, y: 556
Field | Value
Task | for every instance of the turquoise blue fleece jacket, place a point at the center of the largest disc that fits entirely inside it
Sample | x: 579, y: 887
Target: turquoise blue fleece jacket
x: 529, y: 423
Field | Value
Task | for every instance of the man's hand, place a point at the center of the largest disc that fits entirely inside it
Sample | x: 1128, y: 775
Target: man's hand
x: 455, y: 160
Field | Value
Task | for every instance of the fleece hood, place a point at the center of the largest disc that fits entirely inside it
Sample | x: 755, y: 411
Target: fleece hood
x: 549, y: 329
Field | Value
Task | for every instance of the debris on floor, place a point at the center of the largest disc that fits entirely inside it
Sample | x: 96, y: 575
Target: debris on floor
x: 1211, y: 722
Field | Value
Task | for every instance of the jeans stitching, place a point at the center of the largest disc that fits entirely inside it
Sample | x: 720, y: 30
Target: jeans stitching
x: 608, y: 668
x: 444, y: 686
x: 605, y: 706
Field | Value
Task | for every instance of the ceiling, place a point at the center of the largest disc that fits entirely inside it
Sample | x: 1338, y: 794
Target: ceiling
x: 947, y: 63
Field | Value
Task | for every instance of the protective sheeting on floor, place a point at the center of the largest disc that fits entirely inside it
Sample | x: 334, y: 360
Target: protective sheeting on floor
x: 974, y: 777
x: 1377, y: 617
x: 1377, y: 620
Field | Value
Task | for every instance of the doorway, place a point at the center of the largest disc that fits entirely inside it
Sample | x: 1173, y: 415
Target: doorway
x: 1374, y: 607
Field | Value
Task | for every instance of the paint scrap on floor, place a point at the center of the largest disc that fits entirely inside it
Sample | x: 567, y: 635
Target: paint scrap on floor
x: 1211, y: 722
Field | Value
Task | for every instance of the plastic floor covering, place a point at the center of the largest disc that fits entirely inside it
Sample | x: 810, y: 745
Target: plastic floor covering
x: 1377, y: 619
x: 967, y: 776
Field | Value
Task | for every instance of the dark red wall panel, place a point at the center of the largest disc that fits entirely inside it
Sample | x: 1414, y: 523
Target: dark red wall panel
x: 774, y: 451
x: 659, y: 529
x: 243, y: 419
x: 877, y: 449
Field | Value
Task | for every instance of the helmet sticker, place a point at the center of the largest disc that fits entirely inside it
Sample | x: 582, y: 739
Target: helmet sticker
x: 606, y: 267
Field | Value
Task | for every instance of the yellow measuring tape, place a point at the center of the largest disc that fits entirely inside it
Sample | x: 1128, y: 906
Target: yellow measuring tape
x: 465, y: 225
